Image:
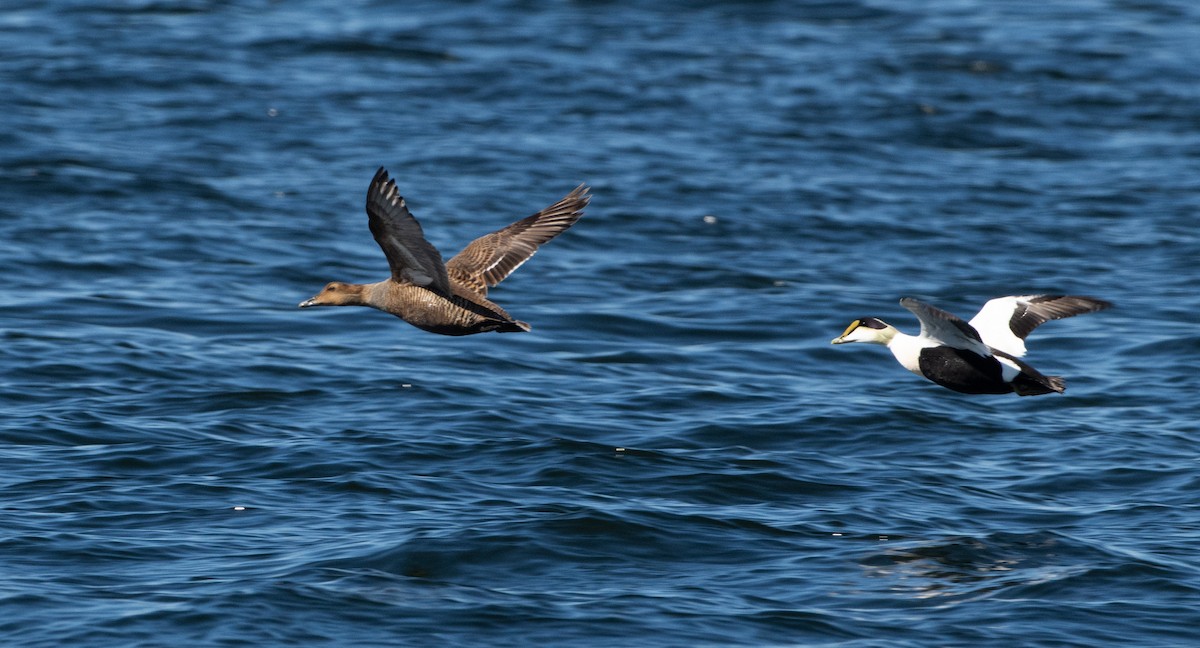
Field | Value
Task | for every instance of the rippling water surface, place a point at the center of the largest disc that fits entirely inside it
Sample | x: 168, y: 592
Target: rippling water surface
x: 675, y: 455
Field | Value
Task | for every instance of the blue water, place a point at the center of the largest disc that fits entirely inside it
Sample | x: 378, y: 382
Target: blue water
x: 675, y: 455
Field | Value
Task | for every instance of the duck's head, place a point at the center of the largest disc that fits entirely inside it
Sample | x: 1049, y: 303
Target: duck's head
x: 867, y: 329
x: 335, y: 293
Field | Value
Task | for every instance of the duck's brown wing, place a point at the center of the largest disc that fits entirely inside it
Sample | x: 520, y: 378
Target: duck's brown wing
x: 412, y: 259
x: 491, y: 258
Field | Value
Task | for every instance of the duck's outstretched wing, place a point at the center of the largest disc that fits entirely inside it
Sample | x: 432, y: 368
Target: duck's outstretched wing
x: 487, y: 260
x: 945, y: 328
x: 1005, y: 322
x: 412, y: 259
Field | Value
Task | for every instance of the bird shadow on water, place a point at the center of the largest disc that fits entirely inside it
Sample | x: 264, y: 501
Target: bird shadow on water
x: 959, y: 568
x: 1036, y: 569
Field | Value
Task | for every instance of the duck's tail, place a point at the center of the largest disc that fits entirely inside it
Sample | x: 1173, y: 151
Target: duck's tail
x: 1027, y: 385
x: 514, y: 326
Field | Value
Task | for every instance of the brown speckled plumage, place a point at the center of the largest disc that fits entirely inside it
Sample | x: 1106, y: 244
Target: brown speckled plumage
x: 446, y: 298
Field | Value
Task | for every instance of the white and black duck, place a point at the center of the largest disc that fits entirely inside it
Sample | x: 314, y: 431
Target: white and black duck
x: 982, y: 356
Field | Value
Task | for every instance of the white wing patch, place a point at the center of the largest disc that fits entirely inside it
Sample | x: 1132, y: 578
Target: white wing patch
x: 1008, y: 369
x: 992, y: 322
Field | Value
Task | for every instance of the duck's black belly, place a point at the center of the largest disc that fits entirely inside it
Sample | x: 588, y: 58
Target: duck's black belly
x: 963, y: 371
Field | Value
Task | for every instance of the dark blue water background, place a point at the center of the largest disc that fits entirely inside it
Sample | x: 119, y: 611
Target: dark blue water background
x: 675, y: 455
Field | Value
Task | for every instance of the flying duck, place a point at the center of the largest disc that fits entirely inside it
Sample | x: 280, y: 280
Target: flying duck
x: 982, y: 356
x: 448, y: 298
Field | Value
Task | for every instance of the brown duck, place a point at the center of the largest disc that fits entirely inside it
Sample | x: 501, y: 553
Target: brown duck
x: 446, y: 298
